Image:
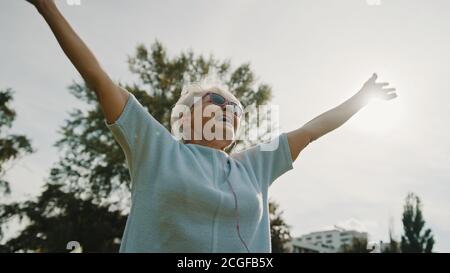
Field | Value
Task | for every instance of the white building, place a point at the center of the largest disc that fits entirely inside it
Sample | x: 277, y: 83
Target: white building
x: 328, y: 241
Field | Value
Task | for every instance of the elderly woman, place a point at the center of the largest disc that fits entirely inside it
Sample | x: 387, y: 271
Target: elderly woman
x: 191, y: 196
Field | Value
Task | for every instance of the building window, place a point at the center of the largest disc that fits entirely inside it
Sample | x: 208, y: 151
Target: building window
x: 309, y: 238
x: 329, y: 235
x: 319, y: 237
x: 329, y: 241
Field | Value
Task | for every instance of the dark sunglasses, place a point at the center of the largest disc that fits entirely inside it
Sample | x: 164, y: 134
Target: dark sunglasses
x: 219, y: 100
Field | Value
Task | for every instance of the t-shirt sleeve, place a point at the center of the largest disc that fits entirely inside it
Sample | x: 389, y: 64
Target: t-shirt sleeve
x: 268, y: 161
x: 138, y: 132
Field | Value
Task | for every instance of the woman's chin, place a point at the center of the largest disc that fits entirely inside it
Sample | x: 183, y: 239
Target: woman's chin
x: 222, y: 144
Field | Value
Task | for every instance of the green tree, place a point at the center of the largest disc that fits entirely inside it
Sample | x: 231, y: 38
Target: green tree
x: 415, y: 240
x: 91, y: 179
x: 57, y: 217
x: 12, y: 146
x: 279, y: 230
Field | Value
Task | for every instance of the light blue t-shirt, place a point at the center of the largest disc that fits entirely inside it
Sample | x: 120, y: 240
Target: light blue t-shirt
x: 181, y: 199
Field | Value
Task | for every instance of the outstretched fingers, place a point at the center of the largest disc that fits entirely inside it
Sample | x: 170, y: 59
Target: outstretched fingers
x: 389, y: 96
x: 382, y: 84
x: 388, y: 93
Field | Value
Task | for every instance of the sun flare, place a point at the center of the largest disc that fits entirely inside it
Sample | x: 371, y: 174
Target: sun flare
x: 380, y: 117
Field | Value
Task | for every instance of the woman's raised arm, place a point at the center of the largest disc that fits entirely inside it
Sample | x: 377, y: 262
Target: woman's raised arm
x: 111, y: 97
x: 337, y: 116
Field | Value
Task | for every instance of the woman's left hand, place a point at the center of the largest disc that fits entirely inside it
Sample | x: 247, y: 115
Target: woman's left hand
x: 373, y: 89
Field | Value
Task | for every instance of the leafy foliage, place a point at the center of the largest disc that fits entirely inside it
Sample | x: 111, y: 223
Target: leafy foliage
x: 12, y: 146
x: 415, y: 239
x: 279, y: 230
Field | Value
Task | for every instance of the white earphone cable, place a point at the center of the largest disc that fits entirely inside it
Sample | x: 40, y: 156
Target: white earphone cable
x: 236, y: 208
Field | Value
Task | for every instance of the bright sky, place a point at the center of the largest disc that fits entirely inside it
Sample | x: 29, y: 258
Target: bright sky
x: 314, y: 54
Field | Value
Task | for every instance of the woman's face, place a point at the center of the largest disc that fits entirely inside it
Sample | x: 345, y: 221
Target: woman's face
x: 216, y: 126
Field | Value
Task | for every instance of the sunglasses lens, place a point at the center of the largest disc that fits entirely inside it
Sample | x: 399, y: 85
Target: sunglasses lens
x: 220, y: 100
x: 217, y: 99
